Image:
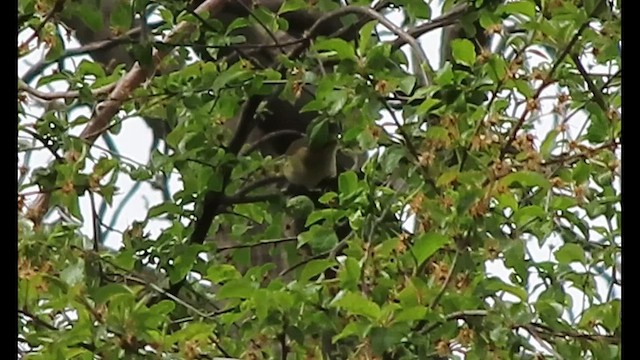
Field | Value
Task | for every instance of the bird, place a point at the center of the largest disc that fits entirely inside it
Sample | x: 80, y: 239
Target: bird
x: 307, y: 165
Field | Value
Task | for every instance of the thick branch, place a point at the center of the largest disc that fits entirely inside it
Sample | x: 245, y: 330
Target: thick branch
x: 124, y: 88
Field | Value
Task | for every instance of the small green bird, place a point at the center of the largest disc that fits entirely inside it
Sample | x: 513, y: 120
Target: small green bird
x: 308, y: 166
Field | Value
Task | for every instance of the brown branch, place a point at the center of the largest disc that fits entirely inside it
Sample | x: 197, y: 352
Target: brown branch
x: 38, y: 67
x: 548, y: 80
x: 567, y: 158
x: 446, y: 282
x: 52, y: 147
x: 546, y: 330
x: 260, y: 243
x: 371, y: 13
x: 531, y: 330
x: 270, y: 136
x: 598, y: 97
x: 443, y: 20
x: 121, y: 92
x: 454, y: 316
x: 257, y: 184
x: 70, y: 94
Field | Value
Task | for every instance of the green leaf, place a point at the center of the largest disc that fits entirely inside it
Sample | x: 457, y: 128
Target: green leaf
x: 90, y: 68
x: 230, y: 76
x: 515, y: 259
x: 103, y: 294
x: 548, y: 144
x: 337, y: 99
x: 315, y: 267
x: 526, y: 179
x: 526, y: 8
x: 569, y: 253
x: 354, y: 328
x: 357, y: 304
x: 348, y: 183
x: 164, y: 307
x: 126, y: 259
x: 365, y: 36
x: 447, y: 177
x: 74, y: 273
x: 427, y: 105
x: 342, y: 49
x: 121, y: 16
x: 90, y: 15
x: 219, y: 273
x: 191, y: 332
x: 183, y: 263
x: 581, y: 172
x: 445, y: 75
x: 407, y: 84
x: 410, y: 314
x: 383, y: 339
x: 167, y: 208
x: 427, y: 244
x: 598, y: 129
x: 562, y: 202
x: 494, y: 285
x: 463, y: 51
x: 350, y: 276
x: 320, y: 238
x: 526, y: 214
x: 418, y: 9
x: 319, y: 134
x: 330, y: 215
x: 237, y: 289
x: 507, y: 200
x: 292, y: 5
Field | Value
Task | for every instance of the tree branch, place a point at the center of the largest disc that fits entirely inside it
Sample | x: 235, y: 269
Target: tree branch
x: 41, y: 65
x: 598, y: 97
x: 548, y: 80
x: 70, y: 94
x: 121, y: 92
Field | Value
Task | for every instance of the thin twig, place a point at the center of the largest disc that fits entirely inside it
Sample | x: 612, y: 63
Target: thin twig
x: 597, y: 94
x: 454, y: 316
x: 548, y: 80
x: 260, y: 243
x: 450, y: 18
x: 254, y: 185
x: 95, y: 223
x: 367, y: 11
x: 542, y: 342
x: 259, y: 21
x: 41, y: 65
x: 447, y: 280
x: 267, y: 138
x: 39, y: 322
x: 544, y: 329
x: 70, y: 94
x: 53, y: 148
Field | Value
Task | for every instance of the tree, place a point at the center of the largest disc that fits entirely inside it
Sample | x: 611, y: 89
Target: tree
x: 509, y: 146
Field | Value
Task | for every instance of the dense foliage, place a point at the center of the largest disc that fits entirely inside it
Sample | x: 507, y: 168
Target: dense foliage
x: 503, y: 157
